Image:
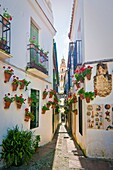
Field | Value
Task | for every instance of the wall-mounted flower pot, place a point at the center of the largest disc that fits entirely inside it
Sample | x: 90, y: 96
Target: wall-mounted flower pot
x: 14, y: 87
x: 48, y: 106
x: 78, y: 85
x: 19, y: 105
x: 7, y: 105
x: 53, y: 106
x: 22, y: 85
x: 44, y: 96
x: 50, y: 95
x: 30, y: 100
x: 88, y: 99
x: 88, y: 76
x: 26, y: 118
x: 43, y: 111
x: 7, y: 77
x: 81, y: 96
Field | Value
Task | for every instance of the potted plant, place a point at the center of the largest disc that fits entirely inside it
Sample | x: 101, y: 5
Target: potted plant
x: 48, y: 104
x: 24, y: 83
x: 32, y: 42
x: 15, y: 83
x: 44, y: 109
x: 89, y: 96
x: 54, y: 104
x: 87, y: 72
x: 19, y: 101
x: 28, y: 115
x: 51, y: 93
x: 8, y: 73
x: 81, y: 93
x: 32, y: 99
x: 7, y: 17
x: 45, y: 93
x: 74, y: 98
x: 3, y: 43
x: 8, y: 100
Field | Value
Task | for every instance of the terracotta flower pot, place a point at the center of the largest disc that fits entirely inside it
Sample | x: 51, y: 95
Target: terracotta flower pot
x: 5, y: 21
x: 26, y: 118
x: 30, y: 100
x: 50, y: 95
x: 48, y: 106
x: 78, y: 85
x: 81, y: 96
x: 7, y: 77
x: 53, y: 106
x: 43, y: 111
x: 14, y: 87
x: 88, y: 76
x: 19, y: 105
x: 22, y: 85
x: 44, y: 96
x: 32, y: 45
x: 88, y: 99
x: 7, y: 105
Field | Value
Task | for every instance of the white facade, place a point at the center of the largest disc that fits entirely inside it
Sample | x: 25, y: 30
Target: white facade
x: 92, y: 23
x: 40, y: 12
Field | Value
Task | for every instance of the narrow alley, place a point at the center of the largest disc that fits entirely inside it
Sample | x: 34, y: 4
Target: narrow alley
x: 62, y: 153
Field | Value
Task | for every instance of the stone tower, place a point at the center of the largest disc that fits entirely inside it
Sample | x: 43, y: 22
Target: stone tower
x: 62, y: 75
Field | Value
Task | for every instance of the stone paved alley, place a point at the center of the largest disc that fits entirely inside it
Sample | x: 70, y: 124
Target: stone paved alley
x: 63, y: 154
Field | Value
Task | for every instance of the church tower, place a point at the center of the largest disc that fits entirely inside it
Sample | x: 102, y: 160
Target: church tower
x: 62, y: 75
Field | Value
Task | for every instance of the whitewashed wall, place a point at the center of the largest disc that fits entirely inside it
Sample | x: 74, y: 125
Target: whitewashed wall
x: 12, y: 116
x: 97, y: 40
x: 98, y: 29
x: 22, y: 12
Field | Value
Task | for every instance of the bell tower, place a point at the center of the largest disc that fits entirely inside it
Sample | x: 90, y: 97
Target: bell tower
x: 62, y: 75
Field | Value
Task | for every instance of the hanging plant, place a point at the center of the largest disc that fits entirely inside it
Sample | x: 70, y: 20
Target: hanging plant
x: 51, y: 93
x: 45, y: 93
x: 8, y: 73
x: 32, y: 99
x: 81, y: 93
x: 89, y: 96
x: 28, y: 115
x: 24, y: 83
x: 19, y: 101
x: 15, y: 83
x: 87, y: 72
x: 44, y: 109
x: 8, y: 100
x: 48, y: 104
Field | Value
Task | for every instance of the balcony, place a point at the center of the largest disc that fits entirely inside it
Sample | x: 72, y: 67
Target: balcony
x: 38, y: 64
x: 5, y: 35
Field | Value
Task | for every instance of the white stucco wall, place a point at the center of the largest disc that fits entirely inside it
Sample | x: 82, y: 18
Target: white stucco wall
x: 12, y: 116
x: 97, y: 40
x: 98, y: 29
x: 22, y: 12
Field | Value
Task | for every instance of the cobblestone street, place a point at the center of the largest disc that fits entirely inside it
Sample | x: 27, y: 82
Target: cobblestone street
x: 63, y: 154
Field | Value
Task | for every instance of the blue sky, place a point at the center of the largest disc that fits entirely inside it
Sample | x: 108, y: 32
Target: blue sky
x: 62, y: 10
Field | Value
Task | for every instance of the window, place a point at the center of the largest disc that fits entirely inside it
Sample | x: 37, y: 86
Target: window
x: 34, y: 32
x: 35, y: 109
x: 80, y: 115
